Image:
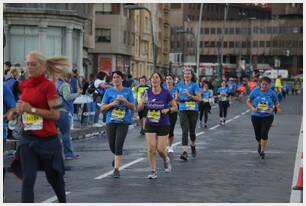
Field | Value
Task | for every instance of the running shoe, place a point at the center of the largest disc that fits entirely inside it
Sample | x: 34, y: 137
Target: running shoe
x: 205, y: 126
x: 72, y: 157
x: 113, y: 163
x: 262, y: 155
x: 170, y: 149
x: 167, y: 165
x: 152, y: 175
x: 193, y: 150
x: 259, y: 149
x: 116, y: 173
x: 223, y: 121
x: 142, y: 132
x: 184, y: 156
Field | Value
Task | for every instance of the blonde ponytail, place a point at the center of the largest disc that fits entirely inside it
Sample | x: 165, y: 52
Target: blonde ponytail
x: 56, y: 67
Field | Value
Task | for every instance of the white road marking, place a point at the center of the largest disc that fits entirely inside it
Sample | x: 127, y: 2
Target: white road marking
x: 214, y: 127
x: 120, y: 168
x: 52, y: 199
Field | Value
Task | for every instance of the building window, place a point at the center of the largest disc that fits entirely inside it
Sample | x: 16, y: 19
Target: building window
x: 103, y: 35
x: 206, y: 30
x: 289, y: 44
x: 202, y: 30
x: 269, y: 30
x: 237, y: 30
x: 75, y: 48
x: 268, y: 44
x: 262, y: 30
x: 218, y: 44
x: 219, y: 31
x: 212, y: 44
x: 255, y: 44
x: 55, y: 41
x: 212, y: 30
x: 225, y: 44
x: 206, y: 44
x: 103, y: 8
x: 275, y: 30
x: 237, y: 44
x: 23, y: 39
x: 201, y: 44
x: 231, y: 31
x: 256, y: 30
x: 226, y: 31
x: 262, y: 44
x: 231, y: 44
x: 244, y: 44
x: 295, y: 44
x: 274, y: 44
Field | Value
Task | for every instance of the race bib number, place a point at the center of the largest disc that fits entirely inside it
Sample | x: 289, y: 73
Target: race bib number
x: 190, y: 105
x: 32, y: 121
x: 262, y: 107
x: 118, y: 114
x: 154, y: 116
x: 223, y: 98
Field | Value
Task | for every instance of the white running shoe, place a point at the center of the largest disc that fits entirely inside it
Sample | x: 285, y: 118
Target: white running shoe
x: 170, y: 149
x: 167, y: 165
x: 152, y: 175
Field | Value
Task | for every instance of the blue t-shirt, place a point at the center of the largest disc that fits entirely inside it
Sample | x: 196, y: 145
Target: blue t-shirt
x: 119, y: 114
x: 172, y: 91
x: 206, y: 95
x: 225, y: 91
x: 8, y: 99
x: 186, y: 102
x: 156, y: 103
x: 232, y: 86
x: 262, y: 101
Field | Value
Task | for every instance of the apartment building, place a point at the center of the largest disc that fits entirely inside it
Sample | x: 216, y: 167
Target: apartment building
x: 53, y: 29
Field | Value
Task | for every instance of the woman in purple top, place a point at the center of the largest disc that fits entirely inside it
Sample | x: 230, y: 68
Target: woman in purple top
x: 157, y: 125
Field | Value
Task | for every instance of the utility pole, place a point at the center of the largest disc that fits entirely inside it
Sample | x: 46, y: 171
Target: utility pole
x: 198, y: 41
x: 220, y: 73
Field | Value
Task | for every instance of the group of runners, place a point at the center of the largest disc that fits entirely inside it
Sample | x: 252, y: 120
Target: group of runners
x: 159, y: 106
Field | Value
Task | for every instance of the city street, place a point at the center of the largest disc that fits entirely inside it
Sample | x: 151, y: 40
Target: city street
x: 226, y: 169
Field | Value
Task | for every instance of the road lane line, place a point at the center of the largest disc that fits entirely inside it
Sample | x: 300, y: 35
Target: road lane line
x: 52, y: 199
x: 214, y: 127
x: 236, y: 117
x: 120, y: 168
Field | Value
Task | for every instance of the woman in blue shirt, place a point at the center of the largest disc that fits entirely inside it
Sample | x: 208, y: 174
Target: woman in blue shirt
x: 205, y: 107
x: 223, y: 94
x: 261, y: 101
x: 118, y: 103
x: 188, y: 94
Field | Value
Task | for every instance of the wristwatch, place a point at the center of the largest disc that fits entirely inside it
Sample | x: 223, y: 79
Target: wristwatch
x: 33, y: 110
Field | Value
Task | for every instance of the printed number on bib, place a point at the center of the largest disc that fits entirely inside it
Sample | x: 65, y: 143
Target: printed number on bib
x: 262, y: 106
x: 190, y: 105
x: 32, y: 121
x: 223, y: 98
x: 154, y: 116
x: 118, y: 114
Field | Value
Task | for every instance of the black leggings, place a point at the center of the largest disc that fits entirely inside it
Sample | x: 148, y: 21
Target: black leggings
x: 188, y: 120
x: 204, y: 109
x: 223, y: 106
x: 29, y: 165
x: 262, y: 126
x: 173, y: 119
x: 116, y: 135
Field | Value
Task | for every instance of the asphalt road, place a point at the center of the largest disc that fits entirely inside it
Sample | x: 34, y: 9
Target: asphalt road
x: 226, y: 170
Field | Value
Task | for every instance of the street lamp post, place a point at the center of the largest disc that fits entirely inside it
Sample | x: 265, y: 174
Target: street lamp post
x: 251, y: 33
x: 136, y: 7
x: 181, y: 31
x: 198, y: 40
x: 222, y: 42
